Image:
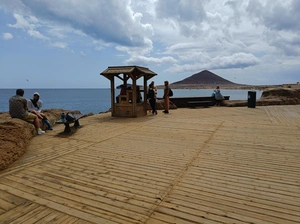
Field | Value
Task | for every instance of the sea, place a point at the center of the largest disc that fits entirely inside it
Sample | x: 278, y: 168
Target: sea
x: 98, y: 100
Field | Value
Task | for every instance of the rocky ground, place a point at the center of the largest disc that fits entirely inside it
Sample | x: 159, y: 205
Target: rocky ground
x: 16, y: 134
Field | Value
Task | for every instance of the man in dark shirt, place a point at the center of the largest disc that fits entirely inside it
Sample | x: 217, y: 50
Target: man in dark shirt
x: 18, y: 109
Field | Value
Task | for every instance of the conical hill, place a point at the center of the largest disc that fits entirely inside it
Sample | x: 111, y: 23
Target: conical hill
x: 204, y: 78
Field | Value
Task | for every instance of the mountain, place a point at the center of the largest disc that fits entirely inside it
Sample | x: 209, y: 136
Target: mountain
x: 204, y: 78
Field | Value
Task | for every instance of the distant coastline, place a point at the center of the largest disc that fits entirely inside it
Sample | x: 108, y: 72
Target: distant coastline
x: 222, y: 86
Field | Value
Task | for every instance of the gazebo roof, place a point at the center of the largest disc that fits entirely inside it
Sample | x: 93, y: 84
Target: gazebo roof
x: 136, y: 71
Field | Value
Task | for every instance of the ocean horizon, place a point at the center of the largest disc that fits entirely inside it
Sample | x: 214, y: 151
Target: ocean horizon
x: 98, y: 100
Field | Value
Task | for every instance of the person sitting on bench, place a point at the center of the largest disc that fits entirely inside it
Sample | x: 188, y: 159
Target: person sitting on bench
x: 218, y: 96
x: 35, y: 106
x: 18, y: 109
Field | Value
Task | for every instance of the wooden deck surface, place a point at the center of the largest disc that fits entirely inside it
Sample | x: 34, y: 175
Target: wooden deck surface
x: 212, y: 165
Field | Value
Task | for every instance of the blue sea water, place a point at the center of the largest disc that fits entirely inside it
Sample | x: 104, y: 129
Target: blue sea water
x: 98, y: 100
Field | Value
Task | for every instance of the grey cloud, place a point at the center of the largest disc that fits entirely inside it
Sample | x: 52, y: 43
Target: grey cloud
x: 238, y: 60
x: 109, y: 21
x: 277, y: 15
x: 235, y: 6
x: 289, y: 47
x: 284, y: 42
x: 187, y: 14
x: 183, y: 10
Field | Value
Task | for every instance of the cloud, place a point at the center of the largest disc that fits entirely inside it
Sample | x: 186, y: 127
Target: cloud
x: 61, y: 45
x: 185, y: 16
x: 82, y: 53
x: 275, y: 15
x: 238, y: 60
x: 109, y: 21
x: 29, y: 24
x: 7, y: 36
x: 174, y: 35
x: 145, y: 61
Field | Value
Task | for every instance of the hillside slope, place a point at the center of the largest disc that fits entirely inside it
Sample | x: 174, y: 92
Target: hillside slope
x: 204, y: 78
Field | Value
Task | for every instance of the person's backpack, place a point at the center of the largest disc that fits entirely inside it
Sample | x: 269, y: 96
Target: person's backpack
x: 170, y: 92
x: 70, y: 117
x: 150, y: 93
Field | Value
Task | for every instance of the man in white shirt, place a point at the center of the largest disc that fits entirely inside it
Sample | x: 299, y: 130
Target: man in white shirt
x: 35, y: 106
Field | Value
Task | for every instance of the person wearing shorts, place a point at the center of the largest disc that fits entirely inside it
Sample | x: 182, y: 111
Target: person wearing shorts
x: 18, y: 109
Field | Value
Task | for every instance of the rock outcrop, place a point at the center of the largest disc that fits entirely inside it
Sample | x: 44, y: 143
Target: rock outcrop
x: 15, y: 135
x: 277, y: 96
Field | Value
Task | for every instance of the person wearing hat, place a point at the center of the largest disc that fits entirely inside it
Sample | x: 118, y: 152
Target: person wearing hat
x: 18, y: 109
x: 35, y: 106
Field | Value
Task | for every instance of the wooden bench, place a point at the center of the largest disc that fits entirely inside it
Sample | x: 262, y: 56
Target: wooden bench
x: 67, y: 123
x: 194, y: 104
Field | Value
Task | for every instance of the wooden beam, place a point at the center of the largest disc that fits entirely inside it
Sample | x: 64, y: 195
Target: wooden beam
x: 112, y: 94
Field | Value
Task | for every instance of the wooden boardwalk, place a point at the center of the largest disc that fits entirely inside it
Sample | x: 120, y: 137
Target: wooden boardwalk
x: 212, y: 165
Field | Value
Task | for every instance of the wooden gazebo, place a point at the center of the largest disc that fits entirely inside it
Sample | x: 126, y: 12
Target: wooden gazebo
x: 128, y: 104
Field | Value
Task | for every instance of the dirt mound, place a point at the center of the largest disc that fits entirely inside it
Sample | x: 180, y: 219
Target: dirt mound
x: 282, y: 94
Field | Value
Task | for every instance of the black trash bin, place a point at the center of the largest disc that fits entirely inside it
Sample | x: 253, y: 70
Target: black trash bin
x: 251, y: 99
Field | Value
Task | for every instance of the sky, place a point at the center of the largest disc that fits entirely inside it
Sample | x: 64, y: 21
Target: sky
x: 68, y: 43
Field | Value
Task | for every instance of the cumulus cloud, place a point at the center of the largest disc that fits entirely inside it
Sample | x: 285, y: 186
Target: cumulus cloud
x: 238, y: 60
x: 184, y: 15
x: 7, y: 36
x: 186, y: 35
x: 278, y: 15
x: 145, y: 61
x: 109, y: 21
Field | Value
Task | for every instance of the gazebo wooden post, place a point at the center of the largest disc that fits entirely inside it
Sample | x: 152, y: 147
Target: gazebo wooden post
x: 125, y: 80
x: 112, y: 94
x: 145, y: 91
x: 134, y: 97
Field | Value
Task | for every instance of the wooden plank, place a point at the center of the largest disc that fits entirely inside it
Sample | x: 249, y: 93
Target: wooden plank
x: 194, y: 171
x: 11, y: 198
x: 51, y: 204
x: 87, y: 209
x: 73, y: 193
x: 171, y: 216
x: 208, y: 199
x: 17, y: 212
x: 6, y: 205
x: 33, y: 215
x: 247, y: 214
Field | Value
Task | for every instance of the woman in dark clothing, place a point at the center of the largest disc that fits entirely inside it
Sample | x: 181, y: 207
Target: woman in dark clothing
x: 152, y: 99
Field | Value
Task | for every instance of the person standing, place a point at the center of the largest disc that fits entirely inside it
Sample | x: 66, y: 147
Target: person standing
x: 155, y: 88
x: 152, y: 97
x: 18, y: 109
x: 218, y: 96
x: 35, y: 106
x: 166, y: 97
